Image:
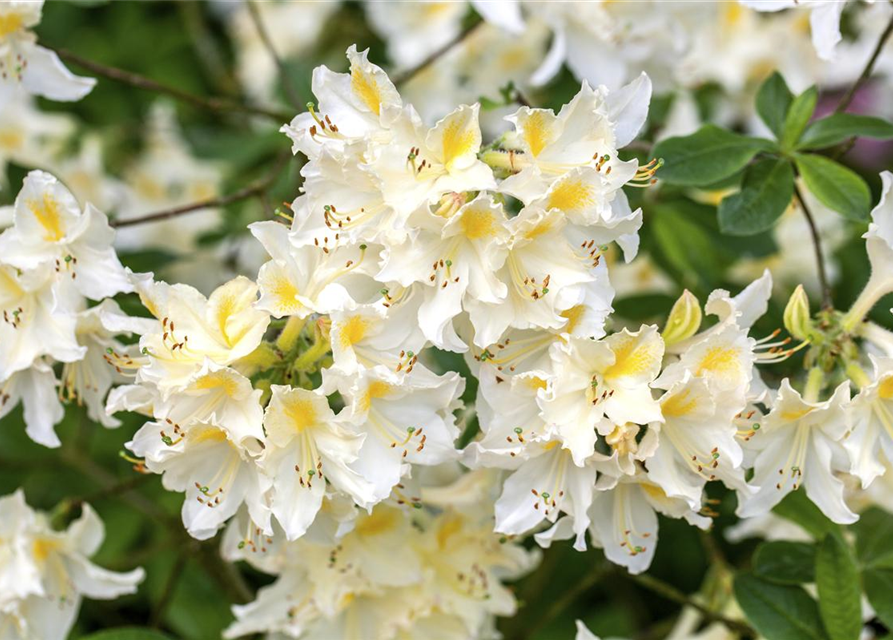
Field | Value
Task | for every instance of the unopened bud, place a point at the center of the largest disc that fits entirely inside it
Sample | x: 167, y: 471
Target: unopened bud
x: 684, y: 320
x: 797, y: 319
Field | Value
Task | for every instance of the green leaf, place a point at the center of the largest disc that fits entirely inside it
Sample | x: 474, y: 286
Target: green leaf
x: 839, y: 127
x: 706, y: 156
x: 835, y: 186
x: 778, y: 612
x: 127, y: 633
x: 765, y: 194
x: 874, y: 533
x: 797, y: 508
x: 879, y: 589
x: 773, y: 101
x: 785, y: 562
x: 798, y: 116
x: 840, y: 594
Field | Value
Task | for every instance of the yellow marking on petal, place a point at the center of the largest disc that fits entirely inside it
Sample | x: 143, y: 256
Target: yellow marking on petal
x: 366, y: 88
x: 225, y: 309
x: 300, y: 412
x: 719, y: 361
x: 574, y: 315
x: 885, y: 388
x: 211, y: 434
x: 42, y: 548
x: 10, y: 23
x: 11, y: 140
x: 792, y: 416
x: 451, y: 526
x: 381, y: 520
x: 654, y: 491
x: 352, y: 331
x: 679, y: 404
x: 543, y: 227
x: 283, y: 291
x: 535, y: 132
x: 732, y: 15
x: 458, y: 140
x: 570, y: 195
x: 632, y: 357
x: 535, y: 383
x: 478, y: 223
x: 47, y: 213
x: 550, y: 445
x: 218, y: 380
x: 376, y: 389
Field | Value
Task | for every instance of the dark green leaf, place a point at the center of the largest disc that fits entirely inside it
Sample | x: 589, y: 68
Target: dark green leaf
x: 835, y: 186
x: 773, y: 101
x: 874, y: 539
x: 840, y: 594
x: 778, y: 612
x: 765, y: 194
x: 798, y: 116
x: 706, y: 156
x: 127, y: 633
x: 838, y: 127
x: 797, y: 508
x: 785, y: 562
x: 879, y: 589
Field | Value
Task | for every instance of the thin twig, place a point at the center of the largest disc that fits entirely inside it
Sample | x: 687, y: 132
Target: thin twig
x: 866, y: 72
x: 819, y: 254
x: 287, y: 84
x: 141, y: 82
x: 409, y: 74
x: 670, y: 592
x: 252, y: 190
x: 566, y: 599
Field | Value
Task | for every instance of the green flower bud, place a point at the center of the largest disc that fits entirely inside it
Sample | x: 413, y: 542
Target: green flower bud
x: 684, y: 319
x: 797, y: 318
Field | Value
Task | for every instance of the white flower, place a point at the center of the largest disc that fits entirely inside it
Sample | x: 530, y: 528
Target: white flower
x: 418, y: 166
x: 456, y: 263
x: 824, y: 18
x: 28, y: 136
x: 35, y: 388
x: 799, y: 444
x: 298, y: 281
x: 406, y: 418
x: 50, y: 229
x: 25, y: 66
x: 216, y: 472
x: 351, y: 106
x: 307, y: 446
x: 696, y: 442
x: 870, y: 443
x: 224, y: 327
x: 44, y: 573
x: 600, y: 385
x: 37, y: 320
x: 623, y: 519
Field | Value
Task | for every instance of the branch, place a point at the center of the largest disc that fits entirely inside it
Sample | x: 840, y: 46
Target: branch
x: 566, y: 599
x: 819, y: 254
x: 670, y: 592
x: 866, y: 72
x: 409, y: 74
x: 141, y: 82
x: 250, y: 191
x: 287, y: 84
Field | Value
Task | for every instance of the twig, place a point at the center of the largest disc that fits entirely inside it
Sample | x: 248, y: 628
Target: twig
x: 409, y: 74
x: 252, y: 190
x: 567, y: 598
x: 670, y: 592
x: 819, y: 254
x: 206, y: 48
x: 287, y: 84
x: 866, y: 72
x: 142, y: 82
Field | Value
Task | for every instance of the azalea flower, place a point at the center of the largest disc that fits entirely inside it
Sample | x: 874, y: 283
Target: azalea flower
x: 799, y: 444
x: 824, y: 19
x: 35, y: 389
x: 870, y: 442
x: 27, y: 67
x: 45, y: 573
x: 308, y: 446
x: 49, y: 228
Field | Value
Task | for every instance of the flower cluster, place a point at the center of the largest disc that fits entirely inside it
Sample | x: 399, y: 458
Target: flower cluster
x: 45, y: 573
x: 53, y: 260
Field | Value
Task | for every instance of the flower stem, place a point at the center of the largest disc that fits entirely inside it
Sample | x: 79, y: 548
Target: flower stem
x: 819, y: 254
x: 814, y: 382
